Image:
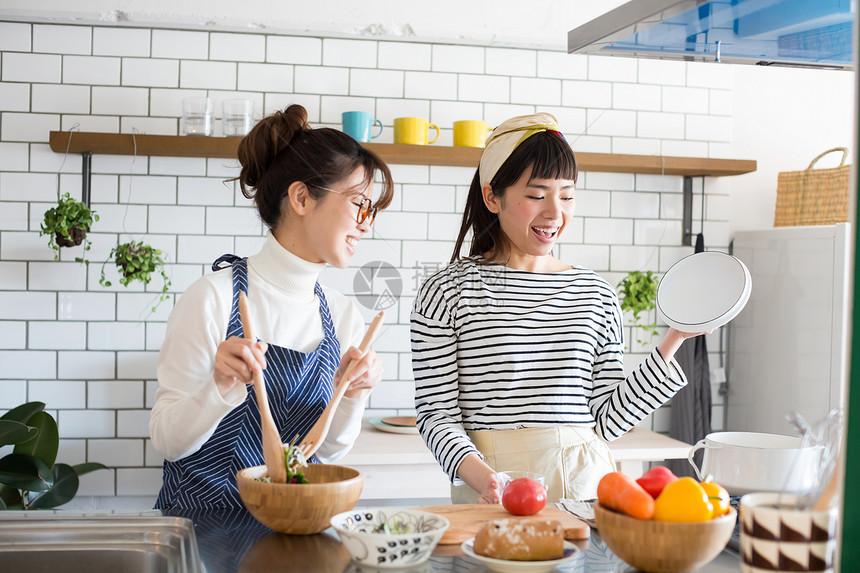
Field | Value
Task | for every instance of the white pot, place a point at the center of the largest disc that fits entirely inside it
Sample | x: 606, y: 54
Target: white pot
x: 744, y: 462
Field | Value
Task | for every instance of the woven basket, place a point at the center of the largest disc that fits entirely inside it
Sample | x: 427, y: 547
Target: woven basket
x: 813, y: 196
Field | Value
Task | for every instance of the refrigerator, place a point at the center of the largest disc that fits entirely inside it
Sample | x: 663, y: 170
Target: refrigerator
x: 788, y: 348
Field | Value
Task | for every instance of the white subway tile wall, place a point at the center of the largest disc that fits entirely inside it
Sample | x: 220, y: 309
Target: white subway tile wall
x: 89, y: 352
x: 91, y: 123
x: 150, y: 72
x: 238, y: 47
x: 510, y: 62
x: 180, y: 44
x: 109, y: 41
x: 16, y: 37
x: 404, y: 56
x: 14, y: 97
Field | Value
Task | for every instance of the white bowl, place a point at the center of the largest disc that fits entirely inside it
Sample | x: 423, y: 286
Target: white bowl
x: 746, y: 462
x: 359, y: 530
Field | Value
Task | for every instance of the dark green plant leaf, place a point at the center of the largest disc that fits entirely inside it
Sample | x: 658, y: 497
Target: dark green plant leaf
x: 64, y: 489
x: 88, y: 467
x: 23, y: 471
x: 10, y: 498
x: 44, y: 445
x: 15, y: 432
x: 23, y: 412
x: 637, y: 295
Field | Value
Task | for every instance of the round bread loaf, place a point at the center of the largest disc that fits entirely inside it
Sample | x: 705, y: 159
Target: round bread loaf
x: 521, y: 540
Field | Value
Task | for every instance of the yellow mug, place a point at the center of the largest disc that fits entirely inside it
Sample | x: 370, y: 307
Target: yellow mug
x: 413, y: 130
x: 470, y: 133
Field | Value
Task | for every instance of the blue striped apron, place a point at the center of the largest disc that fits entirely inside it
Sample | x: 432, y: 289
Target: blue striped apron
x: 299, y: 385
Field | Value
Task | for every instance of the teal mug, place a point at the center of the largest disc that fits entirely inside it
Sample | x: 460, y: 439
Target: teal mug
x: 359, y: 124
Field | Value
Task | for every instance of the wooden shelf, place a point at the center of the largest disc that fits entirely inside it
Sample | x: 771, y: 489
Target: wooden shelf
x: 394, y: 153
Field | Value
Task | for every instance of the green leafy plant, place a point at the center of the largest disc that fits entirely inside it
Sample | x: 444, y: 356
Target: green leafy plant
x: 137, y: 261
x: 638, y: 294
x: 29, y: 478
x: 67, y: 225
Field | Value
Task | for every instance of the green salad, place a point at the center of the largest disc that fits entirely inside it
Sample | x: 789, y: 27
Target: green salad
x: 294, y: 459
x: 395, y: 527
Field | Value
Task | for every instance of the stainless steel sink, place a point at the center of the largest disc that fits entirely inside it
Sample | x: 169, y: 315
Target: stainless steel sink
x: 39, y: 542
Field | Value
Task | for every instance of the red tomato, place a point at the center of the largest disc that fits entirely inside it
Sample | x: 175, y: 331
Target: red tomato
x: 524, y: 496
x: 654, y: 480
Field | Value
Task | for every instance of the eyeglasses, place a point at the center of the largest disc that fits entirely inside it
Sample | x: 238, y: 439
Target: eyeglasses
x: 366, y: 210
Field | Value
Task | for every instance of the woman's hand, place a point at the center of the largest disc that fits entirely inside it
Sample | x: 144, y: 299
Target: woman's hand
x: 492, y: 491
x: 365, y: 375
x: 686, y: 335
x: 481, y: 478
x: 673, y: 340
x: 236, y: 361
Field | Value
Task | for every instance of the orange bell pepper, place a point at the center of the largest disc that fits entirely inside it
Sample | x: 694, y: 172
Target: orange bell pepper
x: 718, y: 497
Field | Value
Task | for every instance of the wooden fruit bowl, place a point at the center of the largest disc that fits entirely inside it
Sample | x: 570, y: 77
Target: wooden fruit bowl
x: 662, y: 546
x: 300, y: 509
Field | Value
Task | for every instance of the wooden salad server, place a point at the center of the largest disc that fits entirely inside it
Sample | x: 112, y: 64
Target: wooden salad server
x: 315, y: 436
x: 273, y: 448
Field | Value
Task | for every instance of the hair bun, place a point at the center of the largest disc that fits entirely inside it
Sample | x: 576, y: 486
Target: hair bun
x: 267, y: 140
x: 296, y: 117
x: 283, y: 149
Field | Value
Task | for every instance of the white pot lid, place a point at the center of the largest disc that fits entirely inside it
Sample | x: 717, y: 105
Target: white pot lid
x: 703, y: 291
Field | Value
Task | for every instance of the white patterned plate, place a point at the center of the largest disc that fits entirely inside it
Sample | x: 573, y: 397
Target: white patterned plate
x: 505, y: 566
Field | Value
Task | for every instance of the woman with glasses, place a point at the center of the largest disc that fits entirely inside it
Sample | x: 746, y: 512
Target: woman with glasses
x: 313, y: 190
x: 517, y: 355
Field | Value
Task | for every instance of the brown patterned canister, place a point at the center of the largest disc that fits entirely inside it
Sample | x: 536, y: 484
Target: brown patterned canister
x: 779, y: 535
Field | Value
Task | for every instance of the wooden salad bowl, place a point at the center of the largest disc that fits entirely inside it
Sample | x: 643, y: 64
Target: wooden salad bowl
x: 300, y: 509
x: 662, y: 546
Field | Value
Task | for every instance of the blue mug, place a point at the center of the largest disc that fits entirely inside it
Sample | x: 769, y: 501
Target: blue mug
x: 358, y: 124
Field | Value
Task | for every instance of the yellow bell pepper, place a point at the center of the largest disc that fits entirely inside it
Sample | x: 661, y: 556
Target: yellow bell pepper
x: 684, y: 500
x: 718, y: 497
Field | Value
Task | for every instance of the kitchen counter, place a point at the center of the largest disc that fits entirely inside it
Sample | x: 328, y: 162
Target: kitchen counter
x: 232, y: 541
x: 400, y: 465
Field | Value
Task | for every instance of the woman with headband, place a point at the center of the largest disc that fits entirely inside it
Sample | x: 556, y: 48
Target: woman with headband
x: 517, y: 356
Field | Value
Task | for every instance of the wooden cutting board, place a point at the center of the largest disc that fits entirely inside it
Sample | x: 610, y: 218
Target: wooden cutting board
x: 467, y: 519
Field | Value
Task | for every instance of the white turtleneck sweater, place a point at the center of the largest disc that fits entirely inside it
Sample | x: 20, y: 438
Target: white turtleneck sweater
x: 284, y: 311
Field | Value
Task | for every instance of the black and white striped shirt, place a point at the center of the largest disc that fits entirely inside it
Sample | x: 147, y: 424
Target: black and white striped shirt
x: 495, y: 348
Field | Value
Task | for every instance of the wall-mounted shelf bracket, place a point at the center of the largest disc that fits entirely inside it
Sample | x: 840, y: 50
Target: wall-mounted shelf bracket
x: 86, y: 176
x: 687, y: 216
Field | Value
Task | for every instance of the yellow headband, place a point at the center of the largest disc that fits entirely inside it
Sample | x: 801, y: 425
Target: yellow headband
x: 507, y: 137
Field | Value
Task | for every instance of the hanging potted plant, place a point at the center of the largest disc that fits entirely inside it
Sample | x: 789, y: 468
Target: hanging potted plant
x: 136, y: 261
x: 67, y: 225
x: 638, y: 294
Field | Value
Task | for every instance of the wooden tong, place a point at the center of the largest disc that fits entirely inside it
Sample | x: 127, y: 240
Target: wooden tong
x: 315, y: 436
x: 273, y: 448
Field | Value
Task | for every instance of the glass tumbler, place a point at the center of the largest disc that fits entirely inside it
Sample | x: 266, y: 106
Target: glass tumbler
x: 197, y: 116
x: 506, y: 477
x: 237, y: 117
